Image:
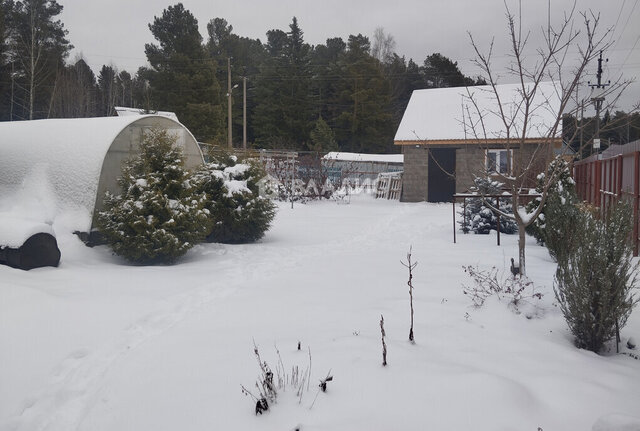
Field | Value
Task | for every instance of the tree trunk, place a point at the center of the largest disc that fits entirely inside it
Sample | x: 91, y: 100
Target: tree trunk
x: 31, y: 87
x: 32, y: 65
x: 521, y: 242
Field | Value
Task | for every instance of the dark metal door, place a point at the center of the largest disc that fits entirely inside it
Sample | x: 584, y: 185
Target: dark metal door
x: 442, y: 167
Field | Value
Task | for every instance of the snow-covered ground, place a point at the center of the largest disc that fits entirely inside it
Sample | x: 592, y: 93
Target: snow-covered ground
x: 98, y: 344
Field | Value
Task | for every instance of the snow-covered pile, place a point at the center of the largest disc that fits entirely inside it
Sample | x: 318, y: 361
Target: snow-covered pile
x: 15, y: 231
x: 63, y: 156
x: 101, y: 345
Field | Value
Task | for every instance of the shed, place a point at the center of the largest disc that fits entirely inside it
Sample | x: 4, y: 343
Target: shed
x: 63, y: 167
x: 359, y: 166
x: 447, y: 138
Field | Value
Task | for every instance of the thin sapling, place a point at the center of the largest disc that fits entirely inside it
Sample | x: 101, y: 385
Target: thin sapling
x: 410, y: 266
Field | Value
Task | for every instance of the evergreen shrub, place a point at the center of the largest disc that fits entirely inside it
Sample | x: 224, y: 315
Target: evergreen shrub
x: 562, y: 191
x: 158, y: 216
x: 594, y: 285
x: 237, y: 211
x: 478, y: 217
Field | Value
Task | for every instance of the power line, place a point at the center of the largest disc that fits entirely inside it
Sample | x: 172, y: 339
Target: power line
x: 617, y: 20
x: 630, y: 51
x: 626, y: 23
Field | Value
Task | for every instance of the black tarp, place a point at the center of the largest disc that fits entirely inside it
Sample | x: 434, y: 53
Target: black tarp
x: 38, y: 250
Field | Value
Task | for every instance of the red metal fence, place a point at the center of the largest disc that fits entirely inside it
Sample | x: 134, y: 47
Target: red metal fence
x: 604, y: 179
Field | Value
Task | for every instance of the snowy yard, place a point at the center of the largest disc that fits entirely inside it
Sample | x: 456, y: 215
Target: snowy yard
x: 99, y: 345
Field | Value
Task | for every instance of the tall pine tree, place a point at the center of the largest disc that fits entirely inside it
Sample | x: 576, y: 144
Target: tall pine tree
x: 107, y: 90
x: 283, y: 116
x: 182, y: 76
x: 324, y: 88
x: 364, y: 123
x: 439, y: 71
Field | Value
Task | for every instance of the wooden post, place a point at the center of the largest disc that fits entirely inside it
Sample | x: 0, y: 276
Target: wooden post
x: 229, y: 102
x: 619, y: 176
x: 244, y: 112
x: 598, y: 183
x: 636, y: 203
x: 464, y: 211
x: 498, y: 207
x: 454, y: 219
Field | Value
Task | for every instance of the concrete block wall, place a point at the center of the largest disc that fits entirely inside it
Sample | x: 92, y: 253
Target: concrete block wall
x: 415, y: 176
x: 470, y: 161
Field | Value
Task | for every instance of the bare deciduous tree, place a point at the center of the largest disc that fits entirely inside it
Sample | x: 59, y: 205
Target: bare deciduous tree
x: 383, y: 45
x: 38, y: 44
x: 569, y: 48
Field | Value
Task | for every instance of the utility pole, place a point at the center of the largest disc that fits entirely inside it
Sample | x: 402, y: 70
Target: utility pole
x: 597, y: 97
x: 229, y: 101
x: 581, y: 125
x: 244, y: 112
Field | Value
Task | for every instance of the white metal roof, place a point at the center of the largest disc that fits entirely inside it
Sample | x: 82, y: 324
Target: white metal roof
x: 361, y: 157
x: 449, y: 113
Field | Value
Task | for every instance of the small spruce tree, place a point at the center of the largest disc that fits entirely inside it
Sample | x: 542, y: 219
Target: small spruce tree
x: 562, y: 191
x: 562, y: 214
x: 594, y: 284
x: 478, y: 217
x: 238, y: 213
x: 158, y: 216
x: 322, y: 137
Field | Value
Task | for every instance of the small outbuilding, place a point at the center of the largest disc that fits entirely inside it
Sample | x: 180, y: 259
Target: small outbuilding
x: 361, y: 167
x: 65, y: 166
x: 450, y: 135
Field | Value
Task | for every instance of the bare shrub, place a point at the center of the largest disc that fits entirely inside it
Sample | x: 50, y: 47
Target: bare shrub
x: 518, y: 291
x: 274, y: 381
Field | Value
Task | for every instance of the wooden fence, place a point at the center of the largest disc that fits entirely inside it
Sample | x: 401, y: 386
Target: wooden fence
x: 604, y: 179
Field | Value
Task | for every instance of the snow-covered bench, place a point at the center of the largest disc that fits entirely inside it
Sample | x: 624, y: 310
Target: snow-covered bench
x: 25, y: 244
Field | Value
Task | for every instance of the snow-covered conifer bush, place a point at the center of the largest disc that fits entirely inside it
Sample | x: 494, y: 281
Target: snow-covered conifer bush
x: 561, y: 216
x: 594, y: 285
x: 561, y: 191
x: 238, y: 213
x: 478, y: 217
x: 158, y: 216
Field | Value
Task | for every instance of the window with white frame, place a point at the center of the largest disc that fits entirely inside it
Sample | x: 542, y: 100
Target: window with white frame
x: 499, y: 161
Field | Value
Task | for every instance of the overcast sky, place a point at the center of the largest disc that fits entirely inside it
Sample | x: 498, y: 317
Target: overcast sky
x: 115, y: 31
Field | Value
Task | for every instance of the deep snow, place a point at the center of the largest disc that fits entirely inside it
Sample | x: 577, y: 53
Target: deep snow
x: 453, y: 113
x: 98, y: 344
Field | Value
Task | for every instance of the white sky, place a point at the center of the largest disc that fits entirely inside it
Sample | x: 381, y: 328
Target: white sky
x: 115, y: 31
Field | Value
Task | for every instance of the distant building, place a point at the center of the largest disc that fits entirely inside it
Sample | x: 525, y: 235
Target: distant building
x: 446, y: 139
x: 358, y: 166
x: 126, y: 112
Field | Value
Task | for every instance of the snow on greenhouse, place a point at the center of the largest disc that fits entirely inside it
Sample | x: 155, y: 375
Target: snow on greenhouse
x: 61, y: 168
